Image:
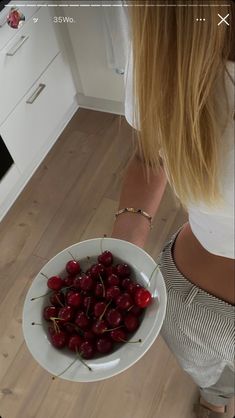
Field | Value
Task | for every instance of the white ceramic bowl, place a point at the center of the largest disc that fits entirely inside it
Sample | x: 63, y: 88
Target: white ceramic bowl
x: 54, y: 360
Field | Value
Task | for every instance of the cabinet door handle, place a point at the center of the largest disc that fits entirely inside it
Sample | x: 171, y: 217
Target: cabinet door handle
x: 17, y: 46
x: 36, y: 93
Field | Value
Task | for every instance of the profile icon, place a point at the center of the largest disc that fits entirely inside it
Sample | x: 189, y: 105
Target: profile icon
x: 15, y: 18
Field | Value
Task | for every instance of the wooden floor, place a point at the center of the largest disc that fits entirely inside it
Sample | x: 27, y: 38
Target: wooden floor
x: 71, y: 197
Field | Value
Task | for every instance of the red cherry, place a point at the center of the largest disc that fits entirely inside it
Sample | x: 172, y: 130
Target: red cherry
x: 73, y: 267
x: 111, y: 270
x: 99, y: 308
x: 113, y: 280
x: 131, y: 322
x: 97, y: 270
x: 114, y: 317
x: 104, y: 345
x: 126, y: 282
x: 57, y: 298
x: 66, y: 314
x: 99, y: 290
x: 50, y: 312
x: 99, y: 327
x: 70, y: 328
x: 136, y: 310
x: 123, y: 270
x: 118, y: 335
x: 59, y: 339
x: 74, y: 342
x: 132, y: 287
x: 89, y: 335
x: 77, y: 282
x: 68, y: 281
x: 142, y: 297
x: 69, y: 292
x: 124, y: 301
x: 74, y: 299
x: 89, y: 302
x: 113, y: 292
x: 51, y: 330
x: 86, y: 282
x: 55, y: 283
x: 106, y: 258
x: 87, y: 349
x: 82, y: 320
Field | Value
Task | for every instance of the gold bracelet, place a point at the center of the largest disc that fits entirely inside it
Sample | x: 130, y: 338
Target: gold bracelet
x: 133, y: 210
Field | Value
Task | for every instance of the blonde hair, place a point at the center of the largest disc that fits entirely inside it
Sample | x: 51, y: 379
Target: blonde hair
x: 176, y: 64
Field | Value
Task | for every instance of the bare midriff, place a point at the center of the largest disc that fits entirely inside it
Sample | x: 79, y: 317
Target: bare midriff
x: 210, y: 272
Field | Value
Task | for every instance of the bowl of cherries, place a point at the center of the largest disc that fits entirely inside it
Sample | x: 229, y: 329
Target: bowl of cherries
x: 94, y: 309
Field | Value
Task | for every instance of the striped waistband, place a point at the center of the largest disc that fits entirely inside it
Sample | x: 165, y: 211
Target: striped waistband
x: 190, y: 291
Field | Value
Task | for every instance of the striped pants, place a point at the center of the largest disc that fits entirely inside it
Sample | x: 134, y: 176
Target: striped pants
x: 199, y: 329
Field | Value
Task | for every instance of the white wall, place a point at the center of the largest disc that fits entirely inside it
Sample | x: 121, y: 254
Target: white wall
x: 99, y: 86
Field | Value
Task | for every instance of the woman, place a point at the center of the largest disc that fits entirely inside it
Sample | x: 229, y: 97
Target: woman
x: 181, y: 104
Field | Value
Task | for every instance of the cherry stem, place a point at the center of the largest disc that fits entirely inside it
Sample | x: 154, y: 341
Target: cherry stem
x: 112, y: 329
x: 130, y: 308
x: 70, y: 365
x: 54, y: 318
x: 72, y: 255
x: 131, y: 342
x: 101, y: 316
x: 60, y: 303
x: 81, y: 359
x: 58, y: 375
x: 102, y: 285
x: 42, y: 296
x: 101, y: 241
x: 76, y: 327
x: 157, y: 267
x: 44, y: 275
x: 56, y: 326
x: 67, y: 287
x: 88, y: 306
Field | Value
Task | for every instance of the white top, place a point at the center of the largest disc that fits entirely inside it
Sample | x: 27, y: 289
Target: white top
x: 214, y: 228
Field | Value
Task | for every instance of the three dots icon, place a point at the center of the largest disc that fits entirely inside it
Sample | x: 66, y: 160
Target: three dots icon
x: 200, y: 19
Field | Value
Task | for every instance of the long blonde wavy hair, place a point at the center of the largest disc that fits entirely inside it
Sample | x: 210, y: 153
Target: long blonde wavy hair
x: 176, y: 63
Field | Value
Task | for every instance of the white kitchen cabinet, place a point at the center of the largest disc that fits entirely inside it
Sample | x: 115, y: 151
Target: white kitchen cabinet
x: 24, y: 58
x: 11, y: 179
x: 38, y: 95
x: 35, y: 118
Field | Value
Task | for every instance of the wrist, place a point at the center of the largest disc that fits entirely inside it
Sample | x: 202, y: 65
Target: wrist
x: 135, y: 210
x: 131, y: 227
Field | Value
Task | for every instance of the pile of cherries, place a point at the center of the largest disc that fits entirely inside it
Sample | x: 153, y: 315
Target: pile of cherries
x: 92, y: 312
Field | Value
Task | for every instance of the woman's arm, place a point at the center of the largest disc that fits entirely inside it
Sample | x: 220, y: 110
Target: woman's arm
x: 137, y: 193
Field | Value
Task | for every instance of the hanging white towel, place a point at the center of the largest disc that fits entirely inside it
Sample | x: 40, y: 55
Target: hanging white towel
x: 116, y: 35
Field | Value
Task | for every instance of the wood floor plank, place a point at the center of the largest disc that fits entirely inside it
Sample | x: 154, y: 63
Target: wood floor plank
x: 24, y: 386
x: 102, y: 221
x: 91, y: 121
x: 81, y: 202
x: 11, y: 336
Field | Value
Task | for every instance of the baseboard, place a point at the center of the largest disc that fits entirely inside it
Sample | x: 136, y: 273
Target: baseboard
x: 103, y: 105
